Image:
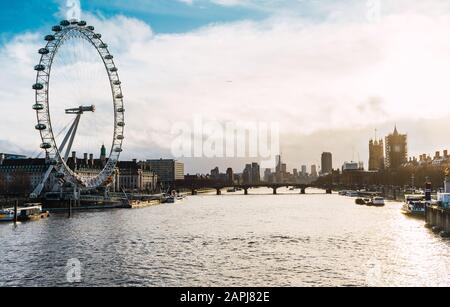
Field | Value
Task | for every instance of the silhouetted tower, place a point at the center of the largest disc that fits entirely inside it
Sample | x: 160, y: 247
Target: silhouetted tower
x: 396, y: 149
x: 376, y: 155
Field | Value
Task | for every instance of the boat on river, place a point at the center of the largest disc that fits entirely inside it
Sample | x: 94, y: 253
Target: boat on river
x: 6, y: 215
x: 415, y: 205
x: 31, y: 212
x: 363, y: 201
x: 378, y: 202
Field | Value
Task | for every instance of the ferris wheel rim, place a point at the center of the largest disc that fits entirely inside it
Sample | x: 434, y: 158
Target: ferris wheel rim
x: 62, y: 32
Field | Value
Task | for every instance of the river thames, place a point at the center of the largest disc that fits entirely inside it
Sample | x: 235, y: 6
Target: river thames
x: 230, y: 240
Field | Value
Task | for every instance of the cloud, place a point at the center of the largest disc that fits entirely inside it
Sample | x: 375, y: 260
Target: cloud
x: 309, y: 76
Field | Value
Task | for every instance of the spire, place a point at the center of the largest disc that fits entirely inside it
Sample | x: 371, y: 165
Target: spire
x: 103, y: 152
x: 395, y: 130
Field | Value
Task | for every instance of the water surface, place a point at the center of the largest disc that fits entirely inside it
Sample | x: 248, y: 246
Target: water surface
x: 230, y: 240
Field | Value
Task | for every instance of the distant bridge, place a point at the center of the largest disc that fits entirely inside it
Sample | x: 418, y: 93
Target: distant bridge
x: 219, y: 186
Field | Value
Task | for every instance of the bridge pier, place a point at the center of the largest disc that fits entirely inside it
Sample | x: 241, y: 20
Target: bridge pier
x: 329, y: 191
x: 219, y: 191
x: 274, y: 191
x: 193, y: 192
x: 245, y: 191
x: 303, y: 191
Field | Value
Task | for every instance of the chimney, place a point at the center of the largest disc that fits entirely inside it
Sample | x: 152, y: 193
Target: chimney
x: 134, y: 160
x: 438, y: 155
x: 2, y: 159
x: 74, y: 155
x: 86, y: 158
x: 91, y: 159
x: 446, y: 153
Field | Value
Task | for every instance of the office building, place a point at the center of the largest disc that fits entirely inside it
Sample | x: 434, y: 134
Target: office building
x: 168, y: 171
x: 327, y: 163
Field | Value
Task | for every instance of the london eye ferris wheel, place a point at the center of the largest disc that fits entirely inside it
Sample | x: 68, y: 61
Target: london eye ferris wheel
x: 58, y: 150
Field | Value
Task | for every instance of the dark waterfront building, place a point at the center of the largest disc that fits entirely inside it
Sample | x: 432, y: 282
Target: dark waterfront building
x: 247, y: 174
x: 215, y: 173
x: 230, y: 175
x: 327, y: 163
x: 376, y: 155
x: 21, y: 176
x: 396, y: 150
x: 256, y: 173
x: 136, y: 177
x: 168, y: 171
x: 314, y: 173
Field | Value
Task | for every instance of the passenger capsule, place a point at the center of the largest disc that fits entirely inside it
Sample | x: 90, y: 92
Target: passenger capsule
x: 114, y: 69
x: 117, y: 82
x: 82, y: 23
x: 120, y: 137
x: 121, y: 124
x: 97, y: 36
x: 65, y: 23
x: 74, y: 22
x: 118, y: 150
x: 103, y: 46
x: 91, y: 28
x: 39, y: 67
x: 121, y: 110
x: 109, y: 57
x: 40, y: 127
x: 44, y: 51
x: 57, y: 29
x: 38, y: 107
x: 50, y: 38
x: 119, y: 96
x: 46, y: 146
x: 38, y: 87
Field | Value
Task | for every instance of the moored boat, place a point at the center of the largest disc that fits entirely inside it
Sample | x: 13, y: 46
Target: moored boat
x: 360, y: 201
x: 352, y: 194
x: 378, y: 202
x: 6, y: 215
x: 414, y: 205
x: 31, y: 212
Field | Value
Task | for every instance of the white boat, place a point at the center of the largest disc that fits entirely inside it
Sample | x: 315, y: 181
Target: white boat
x: 6, y: 215
x: 31, y: 212
x: 415, y: 205
x: 378, y: 202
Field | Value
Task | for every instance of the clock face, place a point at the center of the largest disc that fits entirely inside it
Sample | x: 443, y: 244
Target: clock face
x: 397, y: 148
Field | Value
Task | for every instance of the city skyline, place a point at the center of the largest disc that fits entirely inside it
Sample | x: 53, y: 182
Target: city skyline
x: 365, y: 108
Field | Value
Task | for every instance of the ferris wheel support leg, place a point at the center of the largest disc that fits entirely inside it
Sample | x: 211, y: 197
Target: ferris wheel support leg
x: 72, y: 137
x: 38, y: 190
x: 68, y: 135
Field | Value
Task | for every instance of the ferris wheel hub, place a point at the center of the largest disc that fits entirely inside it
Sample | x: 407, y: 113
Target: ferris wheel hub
x: 81, y: 110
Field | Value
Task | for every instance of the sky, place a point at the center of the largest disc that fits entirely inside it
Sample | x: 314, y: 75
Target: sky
x: 329, y: 72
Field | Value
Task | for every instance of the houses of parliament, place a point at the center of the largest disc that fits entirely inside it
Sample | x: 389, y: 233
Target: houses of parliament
x: 396, y: 148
